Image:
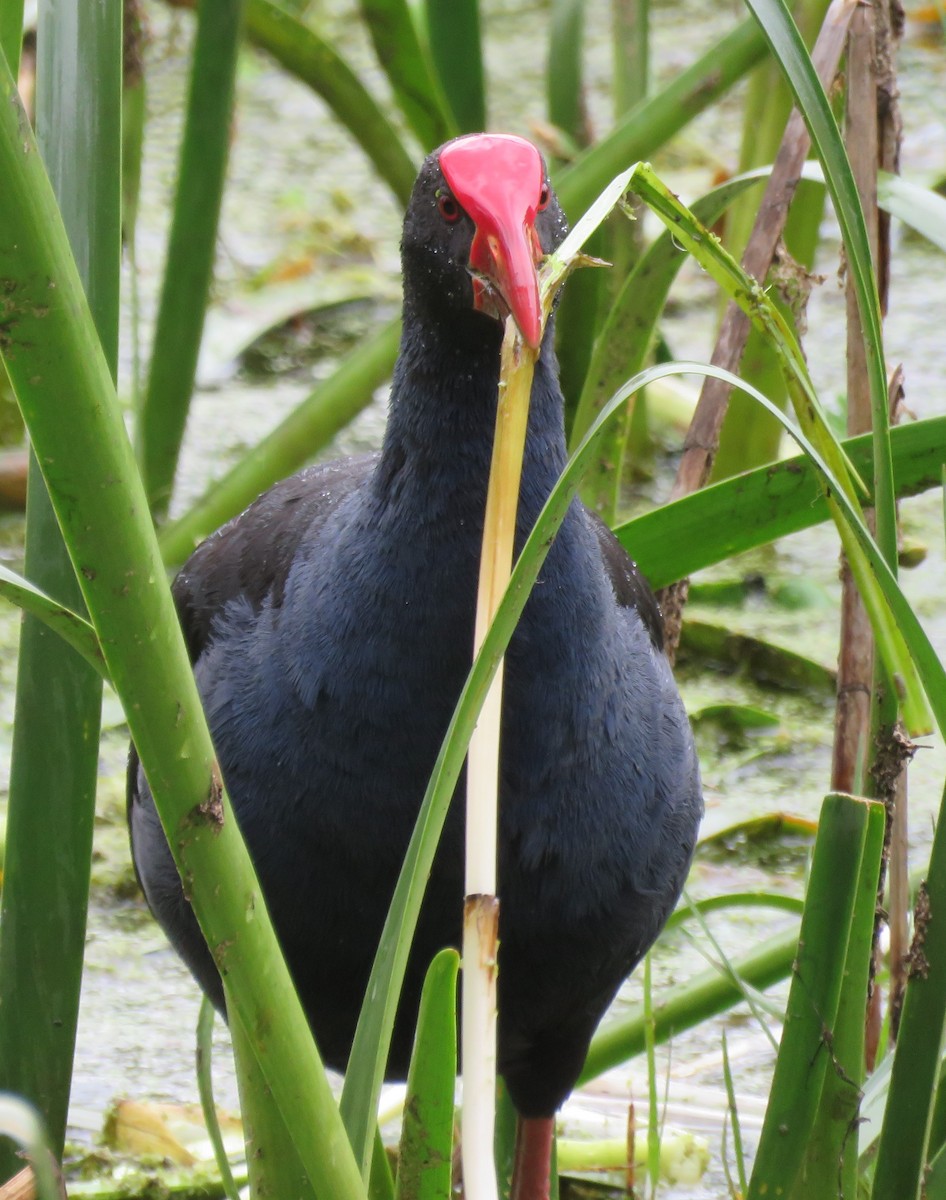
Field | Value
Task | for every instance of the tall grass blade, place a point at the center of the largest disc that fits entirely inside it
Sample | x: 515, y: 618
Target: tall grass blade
x: 299, y: 49
x: 453, y: 34
x: 830, y: 1162
x: 817, y: 977
x: 191, y: 248
x: 11, y: 33
x: 738, y: 1151
x: 563, y: 77
x: 109, y: 533
x: 273, y: 1159
x: 481, y: 906
x: 59, y: 694
x: 405, y: 57
x: 425, y: 1162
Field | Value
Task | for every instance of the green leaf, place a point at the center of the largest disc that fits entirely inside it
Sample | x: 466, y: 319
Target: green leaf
x: 563, y: 76
x: 55, y: 758
x: 70, y: 626
x: 205, y: 1088
x: 453, y: 34
x: 406, y: 60
x: 919, y: 207
x: 299, y: 50
x: 817, y: 978
x: 650, y: 125
x: 831, y: 1151
x: 192, y: 247
x: 771, y: 502
x: 789, y: 49
x: 842, y: 497
x: 425, y: 1162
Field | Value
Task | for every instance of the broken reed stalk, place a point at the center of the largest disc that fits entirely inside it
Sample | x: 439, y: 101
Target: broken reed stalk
x: 481, y: 907
x: 866, y: 715
x: 852, y: 749
x: 702, y: 439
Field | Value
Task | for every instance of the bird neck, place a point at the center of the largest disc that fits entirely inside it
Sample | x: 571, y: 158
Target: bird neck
x: 441, y: 425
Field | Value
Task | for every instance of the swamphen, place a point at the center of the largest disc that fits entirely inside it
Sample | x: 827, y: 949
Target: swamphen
x: 331, y: 628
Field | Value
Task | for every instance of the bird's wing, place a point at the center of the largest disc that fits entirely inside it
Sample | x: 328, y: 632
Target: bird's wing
x: 631, y: 589
x: 251, y: 555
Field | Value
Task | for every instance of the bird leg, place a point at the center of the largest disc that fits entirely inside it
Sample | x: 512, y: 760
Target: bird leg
x: 532, y: 1158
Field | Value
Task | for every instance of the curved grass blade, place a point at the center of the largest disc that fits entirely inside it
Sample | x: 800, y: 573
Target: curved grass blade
x: 70, y: 626
x: 919, y: 207
x: 653, y: 123
x: 297, y: 48
x: 21, y: 1123
x: 788, y: 48
x: 768, y: 503
x: 737, y: 900
x: 205, y: 1089
x: 626, y: 335
x: 751, y: 997
x: 455, y: 44
x: 763, y: 313
x: 406, y: 61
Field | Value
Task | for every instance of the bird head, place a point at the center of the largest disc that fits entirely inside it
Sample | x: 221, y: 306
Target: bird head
x: 481, y: 218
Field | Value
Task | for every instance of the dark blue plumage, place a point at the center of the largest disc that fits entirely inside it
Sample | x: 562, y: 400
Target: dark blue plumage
x: 332, y: 625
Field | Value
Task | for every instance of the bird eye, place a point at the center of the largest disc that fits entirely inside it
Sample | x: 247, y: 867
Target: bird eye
x: 544, y: 197
x: 448, y: 209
